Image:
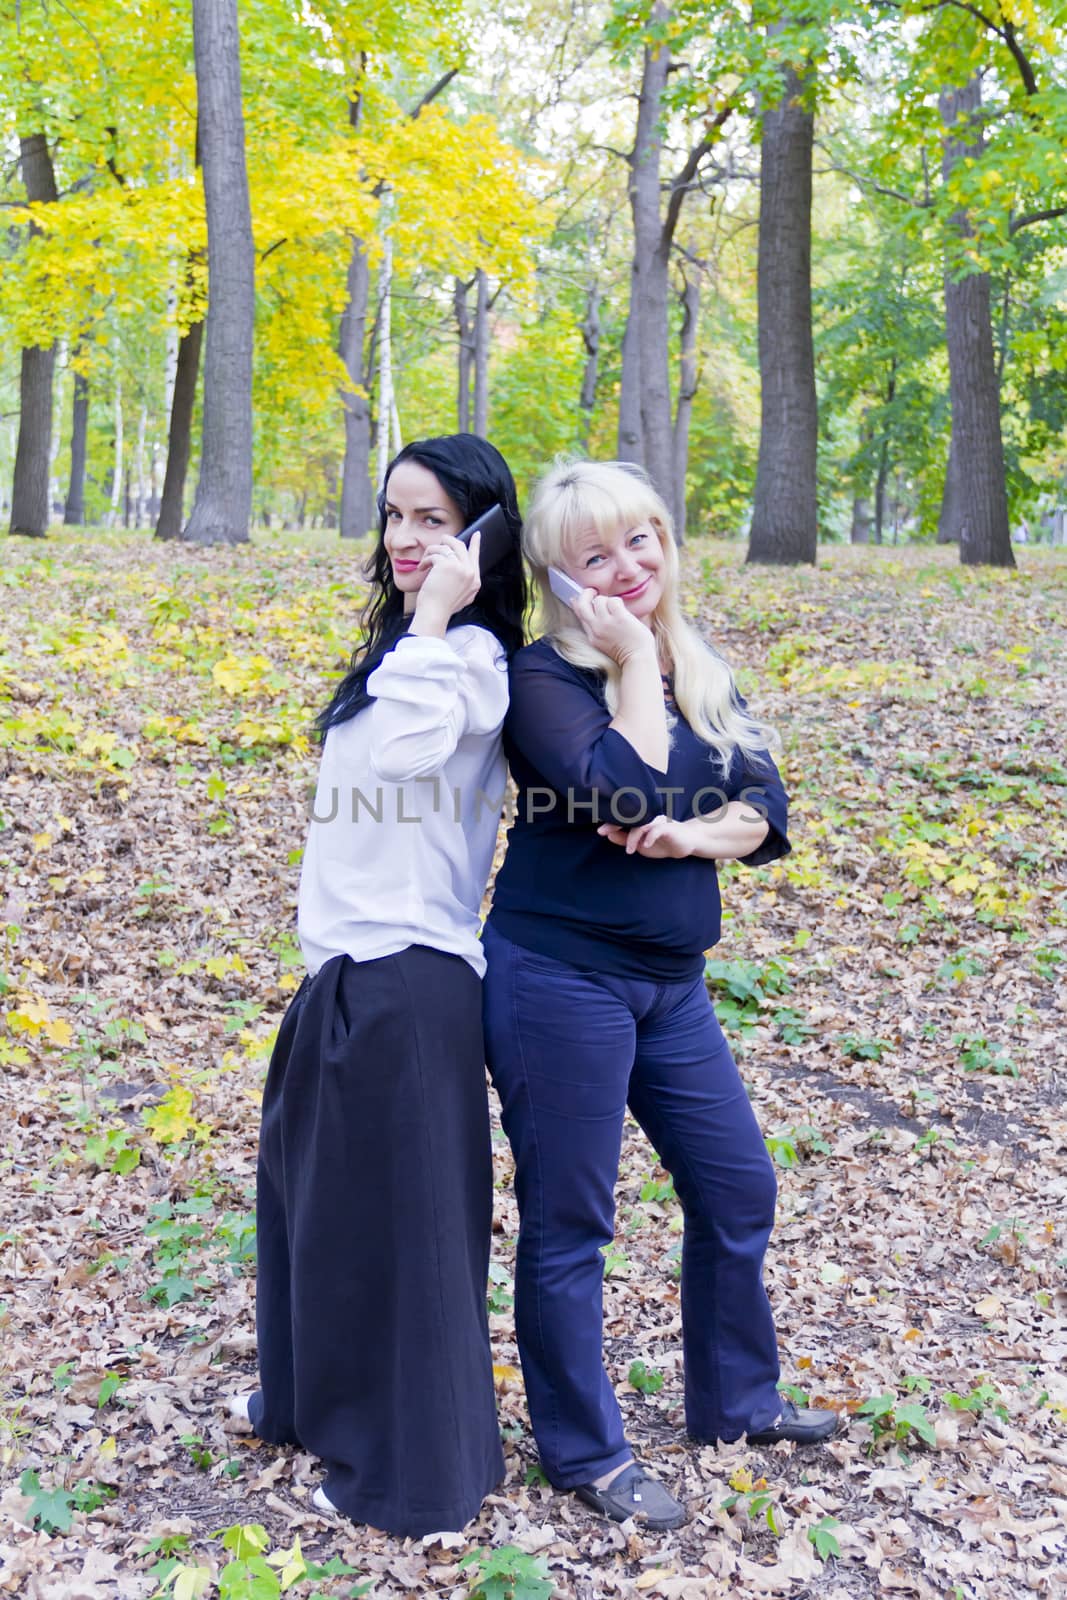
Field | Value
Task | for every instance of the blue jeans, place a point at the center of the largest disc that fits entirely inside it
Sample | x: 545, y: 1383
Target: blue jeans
x: 569, y: 1050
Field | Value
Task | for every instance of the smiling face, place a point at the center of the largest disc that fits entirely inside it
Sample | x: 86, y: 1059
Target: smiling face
x: 627, y: 563
x: 418, y: 513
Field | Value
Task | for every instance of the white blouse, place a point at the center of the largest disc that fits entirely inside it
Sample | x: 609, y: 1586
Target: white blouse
x: 408, y: 801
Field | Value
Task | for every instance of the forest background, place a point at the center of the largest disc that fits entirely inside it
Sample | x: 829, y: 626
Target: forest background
x: 808, y: 266
x: 546, y: 222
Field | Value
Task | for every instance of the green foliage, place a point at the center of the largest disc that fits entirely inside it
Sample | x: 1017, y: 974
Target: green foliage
x: 822, y: 1537
x: 658, y: 1190
x: 977, y: 1054
x: 507, y: 1573
x: 859, y: 1047
x: 253, y: 1572
x: 741, y: 989
x: 110, y: 1384
x: 982, y: 1398
x: 616, y: 1263
x: 198, y: 1452
x: 758, y: 1503
x: 895, y: 1422
x: 793, y: 1026
x: 111, y: 1151
x: 646, y: 1380
x: 52, y: 1509
x: 501, y: 1289
x: 536, y: 384
x: 789, y: 1147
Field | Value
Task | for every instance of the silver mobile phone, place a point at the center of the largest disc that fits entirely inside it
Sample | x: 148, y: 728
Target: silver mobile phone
x: 562, y: 587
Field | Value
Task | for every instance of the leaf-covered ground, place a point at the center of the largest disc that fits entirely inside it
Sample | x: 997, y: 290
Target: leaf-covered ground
x: 893, y: 990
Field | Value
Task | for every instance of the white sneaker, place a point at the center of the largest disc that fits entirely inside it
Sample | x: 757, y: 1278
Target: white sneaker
x: 237, y: 1406
x: 322, y: 1502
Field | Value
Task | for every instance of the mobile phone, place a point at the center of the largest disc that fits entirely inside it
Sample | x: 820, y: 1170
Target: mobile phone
x: 497, y: 541
x: 562, y: 587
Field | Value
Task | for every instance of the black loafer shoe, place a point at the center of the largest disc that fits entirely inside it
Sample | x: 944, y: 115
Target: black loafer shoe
x: 634, y: 1494
x: 802, y: 1427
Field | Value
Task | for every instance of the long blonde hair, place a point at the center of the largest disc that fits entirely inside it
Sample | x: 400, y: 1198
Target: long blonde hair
x: 571, y: 498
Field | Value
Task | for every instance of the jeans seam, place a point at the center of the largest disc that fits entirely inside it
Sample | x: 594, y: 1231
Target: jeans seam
x: 714, y: 1305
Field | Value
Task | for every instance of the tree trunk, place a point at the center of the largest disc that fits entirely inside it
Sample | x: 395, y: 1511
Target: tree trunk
x: 116, y: 470
x: 883, y: 459
x: 385, y: 351
x: 59, y: 394
x: 179, y: 443
x: 985, y: 533
x: 630, y: 446
x: 356, y: 512
x: 465, y: 355
x: 879, y: 491
x: 687, y: 388
x: 74, y: 509
x: 650, y: 293
x: 33, y: 452
x: 784, y: 514
x: 861, y: 521
x: 481, y: 355
x: 140, y: 488
x: 223, y: 506
x: 357, y: 491
x: 590, y: 331
x: 950, y: 519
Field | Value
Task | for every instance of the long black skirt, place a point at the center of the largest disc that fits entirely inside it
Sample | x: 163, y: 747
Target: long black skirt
x: 373, y: 1227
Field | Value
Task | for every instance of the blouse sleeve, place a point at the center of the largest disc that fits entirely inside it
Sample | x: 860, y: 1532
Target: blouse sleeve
x: 759, y: 783
x: 563, y: 731
x: 428, y: 694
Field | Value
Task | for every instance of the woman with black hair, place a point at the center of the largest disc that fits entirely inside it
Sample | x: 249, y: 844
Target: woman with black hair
x: 374, y: 1202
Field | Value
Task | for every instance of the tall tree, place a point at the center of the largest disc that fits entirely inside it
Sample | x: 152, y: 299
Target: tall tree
x: 357, y: 508
x: 464, y: 352
x: 984, y: 530
x: 689, y: 296
x: 631, y: 444
x: 650, y: 287
x: 180, y: 433
x: 645, y: 398
x: 74, y: 505
x: 222, y: 509
x: 182, y: 390
x: 482, y: 303
x: 784, y: 514
x: 999, y: 176
x: 29, y: 491
x: 591, y: 333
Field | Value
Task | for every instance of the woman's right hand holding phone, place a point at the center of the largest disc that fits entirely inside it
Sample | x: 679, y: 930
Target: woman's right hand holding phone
x: 608, y: 625
x: 453, y: 578
x: 640, y: 716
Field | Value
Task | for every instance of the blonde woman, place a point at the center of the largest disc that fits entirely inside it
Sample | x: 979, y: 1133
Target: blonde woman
x: 638, y: 768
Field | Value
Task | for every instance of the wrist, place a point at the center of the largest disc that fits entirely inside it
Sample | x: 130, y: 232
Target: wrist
x: 640, y: 653
x: 689, y: 836
x: 430, y: 622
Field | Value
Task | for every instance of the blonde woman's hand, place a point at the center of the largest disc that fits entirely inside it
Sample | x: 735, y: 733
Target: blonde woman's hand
x: 662, y: 839
x: 453, y: 578
x: 608, y: 625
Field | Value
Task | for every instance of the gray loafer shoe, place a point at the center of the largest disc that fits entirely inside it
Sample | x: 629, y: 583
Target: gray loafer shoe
x: 800, y: 1426
x: 634, y: 1494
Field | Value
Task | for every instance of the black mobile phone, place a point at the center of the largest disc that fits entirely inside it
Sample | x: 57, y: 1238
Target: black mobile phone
x: 496, y: 536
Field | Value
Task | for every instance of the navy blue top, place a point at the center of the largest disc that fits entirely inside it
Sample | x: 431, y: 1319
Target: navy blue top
x: 564, y: 890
